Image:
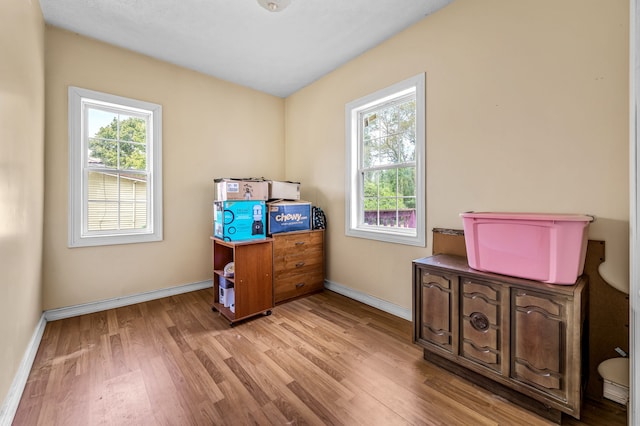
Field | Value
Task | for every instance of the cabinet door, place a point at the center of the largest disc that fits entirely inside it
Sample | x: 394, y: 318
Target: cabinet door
x: 481, y: 324
x: 436, y: 317
x: 253, y: 278
x: 538, y: 340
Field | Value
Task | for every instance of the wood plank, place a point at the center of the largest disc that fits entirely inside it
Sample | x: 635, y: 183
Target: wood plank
x: 323, y: 359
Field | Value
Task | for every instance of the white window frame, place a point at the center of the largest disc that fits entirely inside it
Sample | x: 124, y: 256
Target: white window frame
x: 79, y: 236
x: 354, y: 202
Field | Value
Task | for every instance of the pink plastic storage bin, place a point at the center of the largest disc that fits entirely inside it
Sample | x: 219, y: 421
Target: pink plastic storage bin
x: 544, y: 247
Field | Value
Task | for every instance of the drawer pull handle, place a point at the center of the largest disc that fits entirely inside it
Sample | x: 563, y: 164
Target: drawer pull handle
x: 479, y: 321
x: 299, y: 243
x: 299, y: 285
x: 299, y: 264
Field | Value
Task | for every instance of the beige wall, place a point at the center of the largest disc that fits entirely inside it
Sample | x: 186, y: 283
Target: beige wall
x: 211, y: 128
x: 527, y: 110
x: 21, y: 179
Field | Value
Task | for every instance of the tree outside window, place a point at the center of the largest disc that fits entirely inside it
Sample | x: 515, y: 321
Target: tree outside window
x: 385, y: 164
x: 115, y: 188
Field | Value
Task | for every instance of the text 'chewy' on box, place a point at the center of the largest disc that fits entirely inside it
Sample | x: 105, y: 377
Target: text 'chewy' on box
x: 288, y: 216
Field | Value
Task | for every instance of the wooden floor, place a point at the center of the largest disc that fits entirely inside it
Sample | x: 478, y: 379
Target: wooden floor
x: 324, y: 359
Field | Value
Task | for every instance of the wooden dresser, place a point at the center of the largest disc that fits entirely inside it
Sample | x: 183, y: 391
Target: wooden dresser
x: 298, y: 264
x: 506, y: 334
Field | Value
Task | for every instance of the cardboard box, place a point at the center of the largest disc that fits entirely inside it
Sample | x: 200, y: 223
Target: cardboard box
x: 239, y: 220
x: 279, y: 190
x: 241, y: 189
x: 287, y: 216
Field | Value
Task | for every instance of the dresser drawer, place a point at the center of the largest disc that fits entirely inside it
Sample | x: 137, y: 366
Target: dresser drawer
x: 298, y: 264
x: 296, y: 242
x: 298, y: 260
x: 294, y: 285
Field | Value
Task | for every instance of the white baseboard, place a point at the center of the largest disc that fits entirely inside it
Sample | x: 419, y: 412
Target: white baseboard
x: 117, y: 302
x: 367, y: 299
x: 12, y: 400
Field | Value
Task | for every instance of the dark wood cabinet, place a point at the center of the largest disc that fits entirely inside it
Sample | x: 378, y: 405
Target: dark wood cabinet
x: 252, y: 280
x: 437, y: 310
x: 519, y: 337
x: 298, y: 264
x: 481, y: 330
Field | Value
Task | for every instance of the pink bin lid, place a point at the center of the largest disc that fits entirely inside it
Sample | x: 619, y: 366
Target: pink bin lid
x: 529, y: 216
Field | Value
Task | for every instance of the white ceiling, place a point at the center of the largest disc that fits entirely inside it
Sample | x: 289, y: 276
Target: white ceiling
x: 238, y: 40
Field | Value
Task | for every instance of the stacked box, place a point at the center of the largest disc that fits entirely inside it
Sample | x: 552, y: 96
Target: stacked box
x: 239, y: 220
x: 241, y: 189
x: 284, y: 190
x: 287, y: 216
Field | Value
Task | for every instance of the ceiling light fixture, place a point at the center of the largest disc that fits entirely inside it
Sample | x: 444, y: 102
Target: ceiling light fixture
x: 274, y: 5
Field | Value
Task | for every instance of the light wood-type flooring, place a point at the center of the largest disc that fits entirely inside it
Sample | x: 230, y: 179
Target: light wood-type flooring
x: 323, y: 359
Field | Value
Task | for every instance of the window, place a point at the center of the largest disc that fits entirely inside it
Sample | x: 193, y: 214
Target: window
x: 115, y: 169
x: 385, y: 141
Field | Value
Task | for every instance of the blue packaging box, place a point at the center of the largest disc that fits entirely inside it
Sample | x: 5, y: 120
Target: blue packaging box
x: 287, y: 216
x: 239, y: 220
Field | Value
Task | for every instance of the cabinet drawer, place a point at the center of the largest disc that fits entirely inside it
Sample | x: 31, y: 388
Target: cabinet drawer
x: 298, y: 251
x: 480, y: 316
x: 294, y: 285
x: 306, y: 269
x: 310, y: 257
x: 296, y: 241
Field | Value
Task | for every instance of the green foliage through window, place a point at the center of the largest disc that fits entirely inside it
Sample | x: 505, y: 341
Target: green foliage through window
x: 388, y: 169
x: 122, y: 144
x: 117, y: 178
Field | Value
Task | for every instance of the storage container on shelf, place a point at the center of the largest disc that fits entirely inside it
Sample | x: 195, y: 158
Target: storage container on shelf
x: 538, y: 246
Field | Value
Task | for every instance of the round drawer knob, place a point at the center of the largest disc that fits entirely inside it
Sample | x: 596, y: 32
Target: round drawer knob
x: 479, y: 321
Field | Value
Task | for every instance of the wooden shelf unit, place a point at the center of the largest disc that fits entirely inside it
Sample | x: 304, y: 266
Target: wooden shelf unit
x: 253, y: 278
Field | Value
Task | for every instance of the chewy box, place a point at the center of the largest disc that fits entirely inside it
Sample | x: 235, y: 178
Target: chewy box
x: 241, y: 189
x: 239, y: 220
x: 287, y: 216
x: 284, y: 190
x: 542, y: 247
